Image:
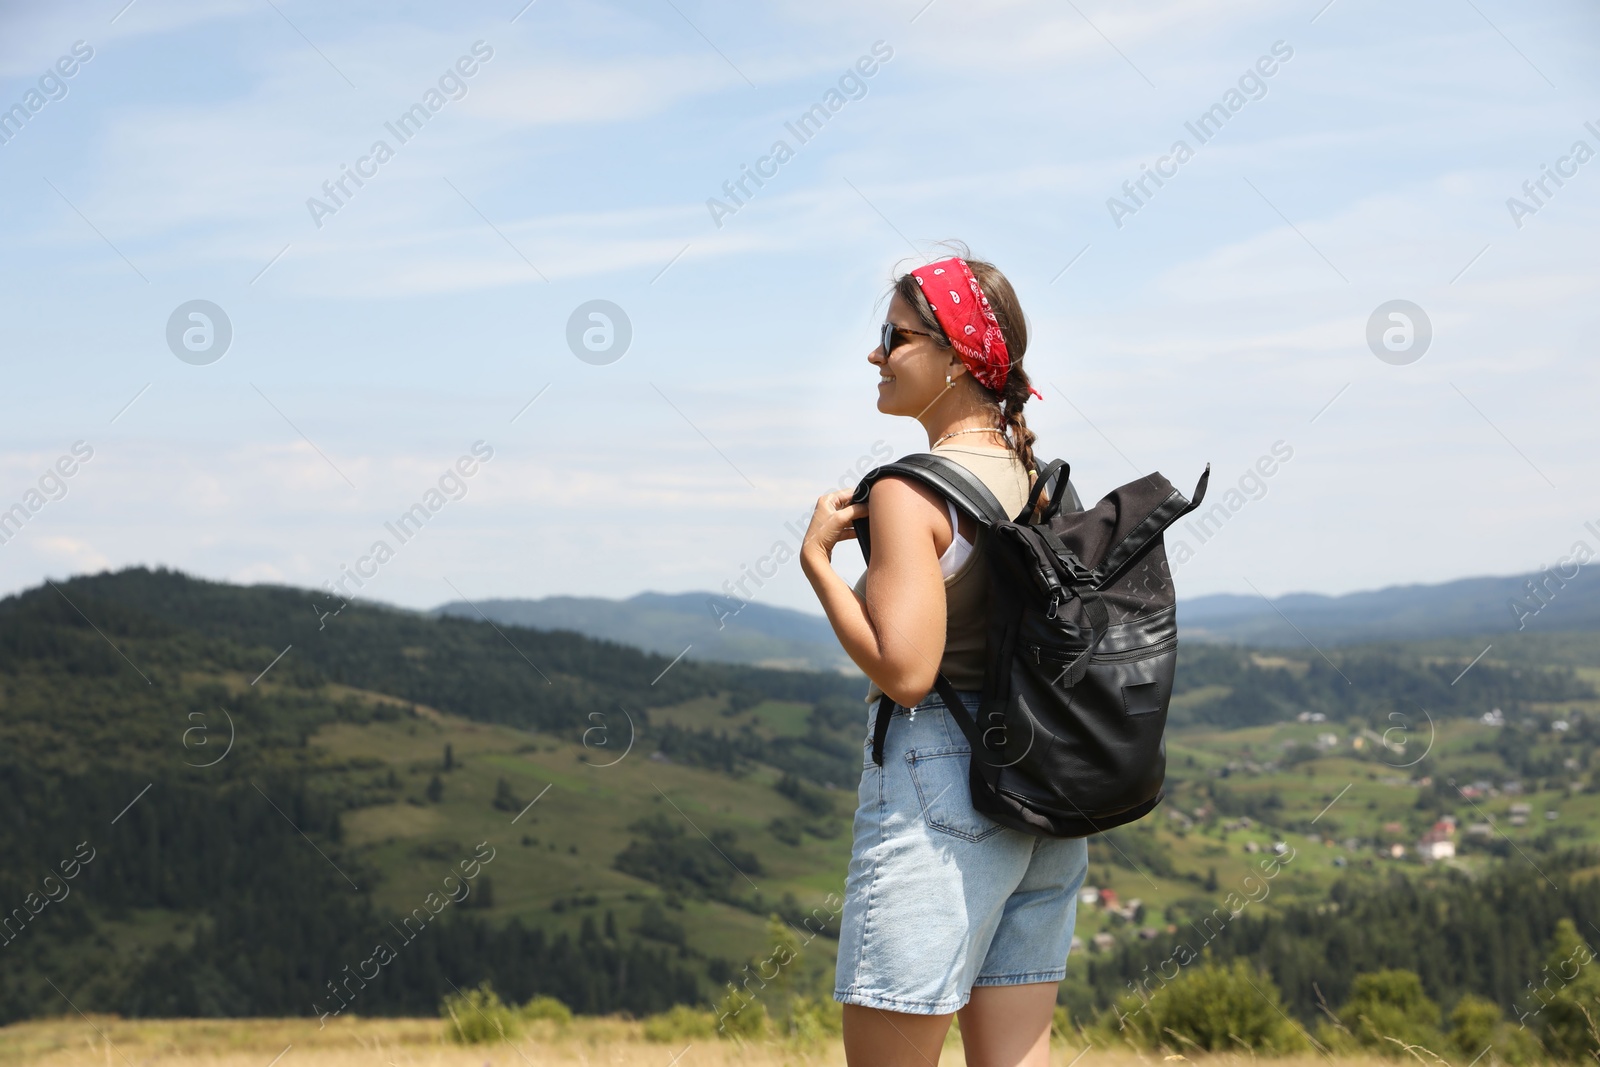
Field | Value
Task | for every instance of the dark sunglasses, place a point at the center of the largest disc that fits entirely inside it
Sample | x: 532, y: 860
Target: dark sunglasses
x: 886, y: 338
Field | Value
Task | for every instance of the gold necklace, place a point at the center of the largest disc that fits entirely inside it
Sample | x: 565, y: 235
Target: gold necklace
x: 980, y: 429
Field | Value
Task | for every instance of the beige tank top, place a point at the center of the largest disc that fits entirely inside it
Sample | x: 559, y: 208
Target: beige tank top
x: 966, y: 592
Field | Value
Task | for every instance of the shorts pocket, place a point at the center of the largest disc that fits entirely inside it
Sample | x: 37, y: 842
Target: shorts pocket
x: 940, y: 778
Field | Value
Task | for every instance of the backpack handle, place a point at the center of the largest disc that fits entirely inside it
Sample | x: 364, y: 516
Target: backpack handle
x: 1063, y: 494
x: 1038, y: 486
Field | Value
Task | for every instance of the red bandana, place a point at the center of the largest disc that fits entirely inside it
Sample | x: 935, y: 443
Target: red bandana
x: 967, y: 320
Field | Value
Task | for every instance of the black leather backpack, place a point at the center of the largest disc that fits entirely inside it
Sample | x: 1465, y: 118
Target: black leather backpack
x: 1082, y: 643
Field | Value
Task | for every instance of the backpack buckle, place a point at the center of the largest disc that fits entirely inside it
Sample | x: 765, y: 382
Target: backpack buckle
x: 1075, y: 567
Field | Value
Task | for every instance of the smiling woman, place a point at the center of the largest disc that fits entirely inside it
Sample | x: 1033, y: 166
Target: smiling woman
x: 946, y: 911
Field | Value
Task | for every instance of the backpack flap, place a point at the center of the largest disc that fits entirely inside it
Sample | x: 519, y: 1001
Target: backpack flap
x: 1073, y: 561
x: 1093, y: 548
x: 1130, y: 546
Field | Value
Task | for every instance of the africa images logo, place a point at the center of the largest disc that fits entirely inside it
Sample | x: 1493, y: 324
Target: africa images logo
x: 199, y: 332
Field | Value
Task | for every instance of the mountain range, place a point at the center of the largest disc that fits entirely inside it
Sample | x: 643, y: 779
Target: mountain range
x: 716, y: 628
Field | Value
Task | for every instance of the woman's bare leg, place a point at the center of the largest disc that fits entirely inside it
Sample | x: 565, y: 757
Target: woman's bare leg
x: 877, y: 1038
x: 1008, y: 1025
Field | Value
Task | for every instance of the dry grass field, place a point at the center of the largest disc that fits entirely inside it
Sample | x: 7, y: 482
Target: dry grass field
x: 103, y: 1041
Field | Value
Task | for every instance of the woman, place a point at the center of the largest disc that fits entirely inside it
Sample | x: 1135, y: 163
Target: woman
x: 946, y: 911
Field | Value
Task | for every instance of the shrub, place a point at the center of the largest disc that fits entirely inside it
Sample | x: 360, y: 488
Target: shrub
x: 1472, y: 1025
x: 1211, y: 1008
x: 1061, y: 1023
x: 504, y: 798
x: 682, y: 1023
x: 478, y: 1015
x: 1388, y: 1012
x: 548, y: 1008
x: 1569, y: 997
x: 813, y: 1019
x: 654, y: 924
x: 663, y: 852
x: 811, y: 800
x: 741, y: 1016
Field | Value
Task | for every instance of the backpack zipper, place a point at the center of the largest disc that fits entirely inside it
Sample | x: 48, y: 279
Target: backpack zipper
x: 1142, y: 652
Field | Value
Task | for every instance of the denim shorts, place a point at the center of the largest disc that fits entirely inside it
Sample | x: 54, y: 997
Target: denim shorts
x: 940, y: 898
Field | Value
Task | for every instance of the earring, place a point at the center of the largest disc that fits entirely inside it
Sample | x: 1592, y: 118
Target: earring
x: 948, y: 381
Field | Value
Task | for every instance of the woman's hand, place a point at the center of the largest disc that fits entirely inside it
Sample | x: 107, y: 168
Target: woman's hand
x: 894, y: 629
x: 831, y: 522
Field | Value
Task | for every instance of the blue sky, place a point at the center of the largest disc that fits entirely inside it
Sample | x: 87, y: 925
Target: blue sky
x: 1225, y: 315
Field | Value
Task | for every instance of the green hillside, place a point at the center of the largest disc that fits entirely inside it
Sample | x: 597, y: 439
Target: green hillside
x: 617, y: 827
x: 719, y: 628
x: 373, y: 751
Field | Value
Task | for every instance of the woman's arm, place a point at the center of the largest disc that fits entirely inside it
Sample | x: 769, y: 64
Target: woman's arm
x: 896, y: 634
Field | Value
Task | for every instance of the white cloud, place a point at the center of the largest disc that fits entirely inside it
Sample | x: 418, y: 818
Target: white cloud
x: 1205, y: 329
x: 36, y: 33
x: 77, y: 554
x: 548, y: 91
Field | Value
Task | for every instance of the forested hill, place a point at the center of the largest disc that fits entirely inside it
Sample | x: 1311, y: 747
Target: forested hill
x: 163, y: 620
x: 138, y: 631
x: 219, y: 799
x: 721, y: 628
x: 207, y: 747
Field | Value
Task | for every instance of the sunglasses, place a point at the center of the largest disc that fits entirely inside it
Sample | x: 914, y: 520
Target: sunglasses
x: 886, y: 337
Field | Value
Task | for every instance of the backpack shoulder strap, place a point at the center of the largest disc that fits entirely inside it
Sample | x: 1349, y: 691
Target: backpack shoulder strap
x: 955, y: 483
x: 950, y: 480
x: 952, y: 703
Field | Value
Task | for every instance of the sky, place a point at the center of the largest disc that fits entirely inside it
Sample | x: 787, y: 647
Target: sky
x: 423, y: 335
